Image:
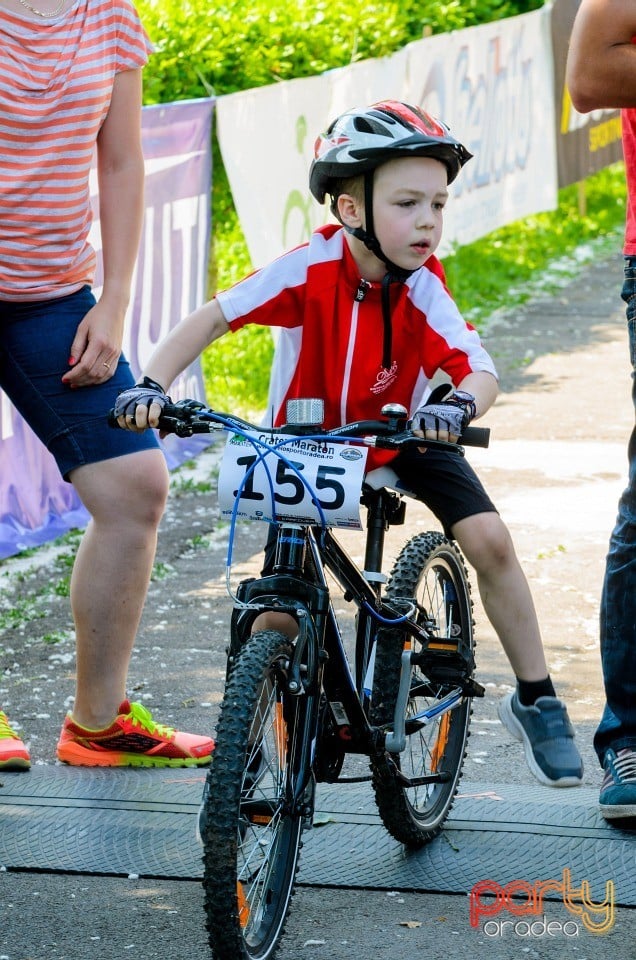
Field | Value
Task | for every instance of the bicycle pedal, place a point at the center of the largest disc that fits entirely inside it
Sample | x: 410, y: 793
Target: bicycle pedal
x: 445, y: 646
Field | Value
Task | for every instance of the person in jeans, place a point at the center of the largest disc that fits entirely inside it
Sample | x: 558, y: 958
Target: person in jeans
x: 70, y: 84
x: 601, y: 72
x: 366, y: 319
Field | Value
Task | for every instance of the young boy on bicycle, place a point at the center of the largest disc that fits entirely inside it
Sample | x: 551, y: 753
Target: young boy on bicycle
x: 365, y: 320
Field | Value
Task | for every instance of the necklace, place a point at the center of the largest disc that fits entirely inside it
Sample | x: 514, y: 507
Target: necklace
x: 45, y: 16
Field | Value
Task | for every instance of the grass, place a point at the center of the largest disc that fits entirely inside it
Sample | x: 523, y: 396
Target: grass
x: 539, y: 254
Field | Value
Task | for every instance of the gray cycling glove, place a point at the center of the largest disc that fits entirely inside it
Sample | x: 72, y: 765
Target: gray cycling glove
x: 453, y: 414
x: 143, y: 394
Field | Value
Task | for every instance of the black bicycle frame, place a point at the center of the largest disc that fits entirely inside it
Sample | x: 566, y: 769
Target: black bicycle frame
x: 298, y: 586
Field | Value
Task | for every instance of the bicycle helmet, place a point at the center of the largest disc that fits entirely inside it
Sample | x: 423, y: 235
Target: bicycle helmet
x: 358, y: 142
x: 362, y: 139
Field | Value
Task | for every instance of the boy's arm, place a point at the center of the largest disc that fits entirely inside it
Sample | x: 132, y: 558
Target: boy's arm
x: 601, y: 63
x: 185, y: 343
x: 140, y: 407
x: 484, y: 389
x: 446, y: 419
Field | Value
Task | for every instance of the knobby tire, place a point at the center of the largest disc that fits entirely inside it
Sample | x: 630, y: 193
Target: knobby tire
x: 429, y: 568
x: 251, y: 832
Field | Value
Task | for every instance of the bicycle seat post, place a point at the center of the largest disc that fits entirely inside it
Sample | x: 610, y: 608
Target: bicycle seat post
x: 376, y: 529
x: 377, y: 503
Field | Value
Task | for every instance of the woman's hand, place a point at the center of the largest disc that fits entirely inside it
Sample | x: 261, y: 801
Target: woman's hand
x: 96, y: 346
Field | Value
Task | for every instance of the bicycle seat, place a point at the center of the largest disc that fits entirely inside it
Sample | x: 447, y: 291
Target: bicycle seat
x: 386, y: 477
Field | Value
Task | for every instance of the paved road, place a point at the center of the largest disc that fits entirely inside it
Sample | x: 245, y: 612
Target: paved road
x: 555, y: 468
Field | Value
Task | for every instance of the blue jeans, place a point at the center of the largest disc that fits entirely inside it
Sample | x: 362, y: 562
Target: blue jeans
x: 617, y: 728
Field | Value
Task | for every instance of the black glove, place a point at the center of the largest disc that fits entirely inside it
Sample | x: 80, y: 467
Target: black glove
x: 453, y: 414
x: 143, y: 394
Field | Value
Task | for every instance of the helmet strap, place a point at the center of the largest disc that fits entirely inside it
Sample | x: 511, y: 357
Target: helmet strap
x: 387, y: 344
x: 394, y: 274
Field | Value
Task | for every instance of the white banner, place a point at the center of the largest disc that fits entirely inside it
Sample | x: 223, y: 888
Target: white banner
x: 492, y: 84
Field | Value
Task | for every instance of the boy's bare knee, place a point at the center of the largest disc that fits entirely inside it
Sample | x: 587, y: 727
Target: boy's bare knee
x: 282, y: 622
x: 485, y: 541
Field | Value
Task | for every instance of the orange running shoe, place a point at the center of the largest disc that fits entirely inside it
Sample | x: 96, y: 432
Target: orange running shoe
x: 13, y: 754
x: 132, y: 740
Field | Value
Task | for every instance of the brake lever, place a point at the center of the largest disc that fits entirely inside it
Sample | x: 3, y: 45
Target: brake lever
x: 407, y: 438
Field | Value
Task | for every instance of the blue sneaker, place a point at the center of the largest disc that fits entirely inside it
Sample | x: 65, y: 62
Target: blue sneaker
x: 548, y: 739
x: 618, y: 792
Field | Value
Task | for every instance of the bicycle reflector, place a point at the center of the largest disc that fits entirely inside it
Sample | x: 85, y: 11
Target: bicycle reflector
x: 306, y: 412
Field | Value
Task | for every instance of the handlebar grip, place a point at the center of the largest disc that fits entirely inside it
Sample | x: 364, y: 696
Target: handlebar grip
x: 475, y: 437
x: 171, y: 417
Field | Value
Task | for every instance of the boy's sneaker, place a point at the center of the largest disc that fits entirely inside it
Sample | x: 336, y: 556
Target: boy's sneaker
x: 618, y: 792
x: 132, y: 740
x: 13, y: 754
x: 548, y: 739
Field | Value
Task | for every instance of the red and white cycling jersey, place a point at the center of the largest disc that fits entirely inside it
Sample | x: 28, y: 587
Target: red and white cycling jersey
x: 628, y: 118
x: 331, y: 332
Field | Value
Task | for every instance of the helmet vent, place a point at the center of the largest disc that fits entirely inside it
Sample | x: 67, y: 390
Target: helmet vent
x: 367, y: 125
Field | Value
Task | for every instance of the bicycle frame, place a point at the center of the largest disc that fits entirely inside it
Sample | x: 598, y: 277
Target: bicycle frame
x: 294, y: 708
x: 298, y: 586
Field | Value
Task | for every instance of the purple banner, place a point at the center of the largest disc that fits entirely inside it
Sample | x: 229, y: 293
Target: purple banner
x: 36, y: 505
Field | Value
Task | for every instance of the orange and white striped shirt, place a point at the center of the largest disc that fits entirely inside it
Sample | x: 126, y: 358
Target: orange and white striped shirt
x: 56, y: 81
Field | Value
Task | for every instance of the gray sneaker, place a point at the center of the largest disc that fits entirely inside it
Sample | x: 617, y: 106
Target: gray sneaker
x: 548, y: 739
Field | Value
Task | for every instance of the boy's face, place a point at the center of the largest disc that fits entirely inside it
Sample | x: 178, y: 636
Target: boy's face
x: 409, y: 195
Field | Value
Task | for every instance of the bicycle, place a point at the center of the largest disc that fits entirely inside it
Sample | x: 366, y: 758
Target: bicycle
x: 292, y: 710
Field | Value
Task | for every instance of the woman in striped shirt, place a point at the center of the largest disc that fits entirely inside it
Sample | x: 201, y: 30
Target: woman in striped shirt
x: 70, y: 85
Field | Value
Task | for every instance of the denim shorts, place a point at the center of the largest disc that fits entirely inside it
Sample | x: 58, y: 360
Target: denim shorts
x: 35, y: 343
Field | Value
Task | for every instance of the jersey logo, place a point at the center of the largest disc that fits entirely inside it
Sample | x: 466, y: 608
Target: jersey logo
x: 385, y: 378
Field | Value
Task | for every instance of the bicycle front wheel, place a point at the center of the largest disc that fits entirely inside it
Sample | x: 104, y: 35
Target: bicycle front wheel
x: 429, y: 571
x: 251, y: 820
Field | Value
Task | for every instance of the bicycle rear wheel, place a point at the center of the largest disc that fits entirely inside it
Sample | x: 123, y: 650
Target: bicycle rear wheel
x: 431, y: 571
x: 250, y: 824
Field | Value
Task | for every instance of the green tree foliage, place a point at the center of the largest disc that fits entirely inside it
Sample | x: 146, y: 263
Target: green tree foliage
x: 203, y: 48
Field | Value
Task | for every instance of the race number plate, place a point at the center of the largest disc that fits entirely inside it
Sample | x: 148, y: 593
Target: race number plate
x: 318, y: 475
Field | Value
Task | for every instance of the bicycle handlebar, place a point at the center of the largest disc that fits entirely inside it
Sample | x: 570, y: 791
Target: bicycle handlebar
x: 190, y: 417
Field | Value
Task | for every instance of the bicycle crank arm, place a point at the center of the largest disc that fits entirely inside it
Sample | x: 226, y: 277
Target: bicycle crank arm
x: 395, y: 741
x: 442, y: 777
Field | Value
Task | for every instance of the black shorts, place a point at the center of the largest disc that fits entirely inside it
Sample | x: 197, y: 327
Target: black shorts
x: 444, y: 481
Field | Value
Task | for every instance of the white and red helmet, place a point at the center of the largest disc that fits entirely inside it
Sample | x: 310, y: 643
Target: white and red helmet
x: 360, y: 140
